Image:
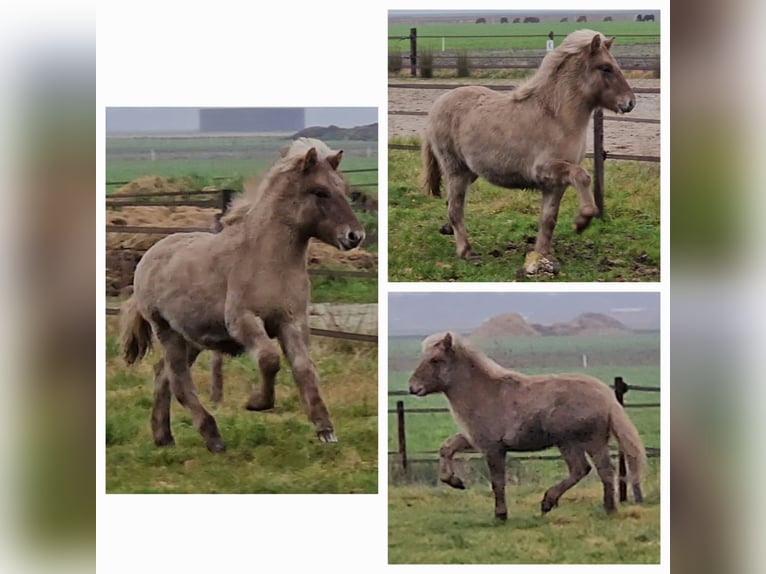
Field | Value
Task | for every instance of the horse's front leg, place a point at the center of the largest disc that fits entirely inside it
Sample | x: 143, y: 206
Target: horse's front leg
x: 294, y: 339
x: 248, y: 329
x: 454, y: 444
x: 559, y: 173
x: 496, y: 464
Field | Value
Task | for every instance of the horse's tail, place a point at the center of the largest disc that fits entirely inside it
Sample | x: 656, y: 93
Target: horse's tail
x: 135, y: 332
x: 630, y: 443
x: 432, y: 175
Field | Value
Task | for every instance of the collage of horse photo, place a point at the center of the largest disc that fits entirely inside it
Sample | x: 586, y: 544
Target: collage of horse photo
x: 511, y: 327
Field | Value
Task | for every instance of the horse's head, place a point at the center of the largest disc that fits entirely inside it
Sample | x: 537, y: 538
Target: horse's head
x: 603, y: 75
x: 434, y: 372
x: 319, y: 198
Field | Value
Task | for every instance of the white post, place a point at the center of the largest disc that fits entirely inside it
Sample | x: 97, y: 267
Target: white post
x: 442, y: 43
x: 584, y: 361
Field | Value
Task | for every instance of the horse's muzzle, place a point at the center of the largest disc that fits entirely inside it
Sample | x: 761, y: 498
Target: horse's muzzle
x: 627, y: 106
x: 350, y: 239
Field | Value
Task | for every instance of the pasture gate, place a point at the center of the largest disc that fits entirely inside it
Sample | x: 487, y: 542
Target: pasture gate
x: 405, y: 460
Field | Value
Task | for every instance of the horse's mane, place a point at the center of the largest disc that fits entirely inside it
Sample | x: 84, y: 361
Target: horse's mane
x: 464, y: 348
x: 544, y: 78
x: 255, y: 188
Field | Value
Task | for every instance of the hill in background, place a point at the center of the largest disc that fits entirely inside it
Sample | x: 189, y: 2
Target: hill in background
x: 514, y: 325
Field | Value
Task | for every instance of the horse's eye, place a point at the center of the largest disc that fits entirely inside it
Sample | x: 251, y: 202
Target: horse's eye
x: 434, y: 361
x: 607, y: 69
x: 321, y: 192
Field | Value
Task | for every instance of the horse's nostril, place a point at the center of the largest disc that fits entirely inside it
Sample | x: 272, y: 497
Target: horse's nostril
x: 354, y: 238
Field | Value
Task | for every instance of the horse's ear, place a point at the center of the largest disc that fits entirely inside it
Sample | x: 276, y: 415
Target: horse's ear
x: 335, y: 159
x: 447, y: 342
x: 608, y: 43
x: 310, y: 159
x: 595, y: 44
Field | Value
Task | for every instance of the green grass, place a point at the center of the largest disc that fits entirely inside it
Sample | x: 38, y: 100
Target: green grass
x: 501, y: 223
x: 428, y: 525
x: 273, y: 452
x: 260, y: 153
x: 624, y: 31
x: 458, y: 526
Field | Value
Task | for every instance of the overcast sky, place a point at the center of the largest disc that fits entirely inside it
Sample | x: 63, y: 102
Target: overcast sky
x: 187, y: 119
x: 424, y: 313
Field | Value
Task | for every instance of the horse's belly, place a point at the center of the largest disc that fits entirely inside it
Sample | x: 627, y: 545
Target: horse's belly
x: 508, y: 180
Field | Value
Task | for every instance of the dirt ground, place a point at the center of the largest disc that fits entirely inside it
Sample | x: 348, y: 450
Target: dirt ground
x: 619, y: 137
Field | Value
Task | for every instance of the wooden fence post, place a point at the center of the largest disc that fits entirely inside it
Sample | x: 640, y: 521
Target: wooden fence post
x: 598, y: 160
x: 413, y: 52
x: 402, y: 436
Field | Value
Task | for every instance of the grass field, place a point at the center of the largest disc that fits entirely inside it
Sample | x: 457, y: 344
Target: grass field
x: 273, y: 452
x: 458, y: 527
x: 626, y: 33
x: 441, y: 525
x: 501, y: 224
x: 207, y: 157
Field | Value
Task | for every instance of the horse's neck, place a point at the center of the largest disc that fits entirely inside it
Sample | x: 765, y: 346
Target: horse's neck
x: 273, y: 238
x: 482, y: 383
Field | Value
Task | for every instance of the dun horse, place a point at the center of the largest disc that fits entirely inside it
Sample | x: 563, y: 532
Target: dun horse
x: 499, y: 410
x: 534, y: 138
x: 236, y: 290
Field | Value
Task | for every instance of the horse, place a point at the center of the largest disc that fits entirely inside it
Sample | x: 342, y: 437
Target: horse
x: 235, y: 290
x: 533, y: 138
x: 499, y: 410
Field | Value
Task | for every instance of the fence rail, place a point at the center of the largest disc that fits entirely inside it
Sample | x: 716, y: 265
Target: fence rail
x: 620, y: 390
x: 362, y: 337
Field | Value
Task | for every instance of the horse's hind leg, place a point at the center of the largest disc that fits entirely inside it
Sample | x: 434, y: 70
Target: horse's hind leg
x: 457, y: 188
x: 178, y: 356
x: 574, y: 455
x: 454, y: 444
x: 599, y: 453
x: 249, y: 329
x: 161, y: 409
x: 294, y: 339
x: 216, y: 377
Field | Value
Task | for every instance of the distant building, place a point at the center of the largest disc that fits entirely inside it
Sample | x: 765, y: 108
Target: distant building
x: 252, y: 119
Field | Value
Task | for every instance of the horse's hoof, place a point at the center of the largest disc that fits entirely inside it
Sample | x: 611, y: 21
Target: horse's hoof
x: 216, y: 397
x: 259, y: 404
x: 215, y: 445
x: 446, y: 229
x: 581, y: 223
x: 165, y: 441
x: 546, y: 506
x: 454, y: 482
x: 327, y: 436
x: 470, y: 255
x: 502, y: 517
x: 537, y: 264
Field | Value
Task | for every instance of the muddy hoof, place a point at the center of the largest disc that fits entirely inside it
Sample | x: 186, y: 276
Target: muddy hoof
x: 327, y: 436
x: 454, y: 482
x: 259, y: 404
x: 165, y: 441
x: 446, y: 229
x: 536, y: 264
x: 215, y: 445
x: 502, y: 517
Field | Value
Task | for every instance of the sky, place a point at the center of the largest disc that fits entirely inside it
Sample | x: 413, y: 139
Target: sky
x: 425, y: 313
x: 147, y: 119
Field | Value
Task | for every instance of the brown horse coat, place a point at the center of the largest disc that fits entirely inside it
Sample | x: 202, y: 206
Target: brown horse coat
x: 500, y: 410
x: 235, y: 290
